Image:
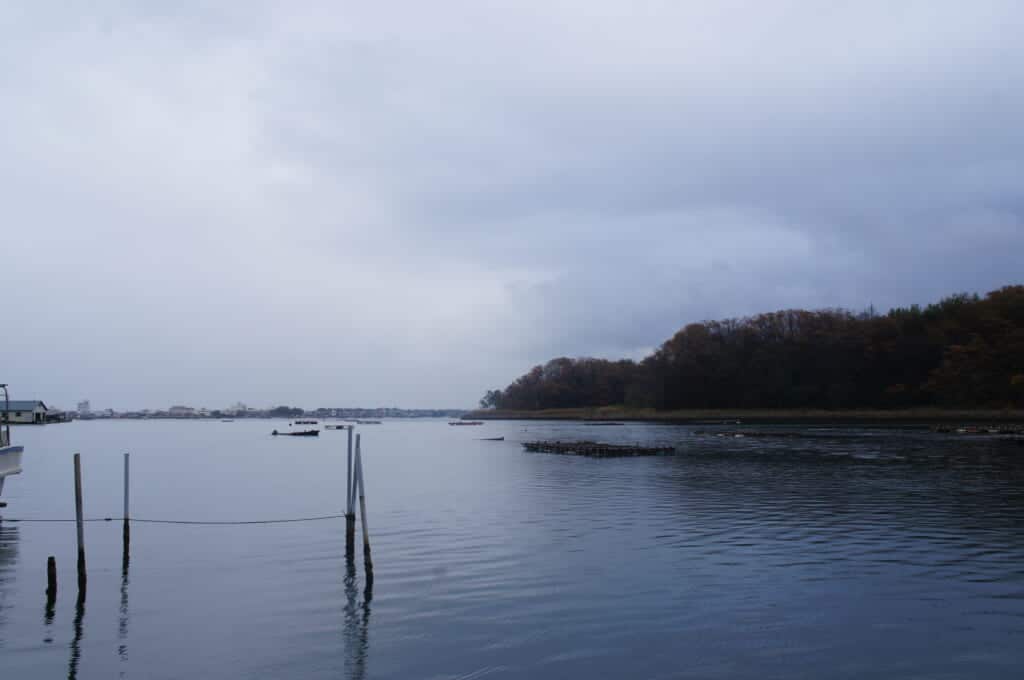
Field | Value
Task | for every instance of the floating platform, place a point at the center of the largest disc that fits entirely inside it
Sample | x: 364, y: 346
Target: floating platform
x: 303, y: 433
x: 1012, y: 430
x: 596, y: 449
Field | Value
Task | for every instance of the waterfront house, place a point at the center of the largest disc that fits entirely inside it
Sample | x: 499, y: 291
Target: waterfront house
x: 23, y: 412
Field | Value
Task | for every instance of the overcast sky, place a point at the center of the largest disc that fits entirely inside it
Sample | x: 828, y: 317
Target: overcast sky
x: 385, y: 203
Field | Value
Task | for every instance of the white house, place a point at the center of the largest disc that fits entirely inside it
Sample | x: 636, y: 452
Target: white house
x: 23, y: 412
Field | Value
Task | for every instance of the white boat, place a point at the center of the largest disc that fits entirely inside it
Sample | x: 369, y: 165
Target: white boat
x: 10, y: 455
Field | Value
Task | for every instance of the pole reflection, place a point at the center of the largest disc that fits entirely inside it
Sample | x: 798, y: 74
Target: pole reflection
x: 357, y: 623
x: 76, y: 640
x: 8, y: 556
x: 122, y: 623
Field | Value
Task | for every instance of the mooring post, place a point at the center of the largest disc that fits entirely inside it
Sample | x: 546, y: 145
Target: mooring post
x: 367, y: 561
x: 350, y: 515
x: 126, y: 531
x: 348, y: 474
x: 51, y: 581
x: 79, y: 523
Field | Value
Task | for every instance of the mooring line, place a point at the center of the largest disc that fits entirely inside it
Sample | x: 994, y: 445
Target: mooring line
x: 179, y: 521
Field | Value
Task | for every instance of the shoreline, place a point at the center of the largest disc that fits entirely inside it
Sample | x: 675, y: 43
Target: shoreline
x: 780, y: 416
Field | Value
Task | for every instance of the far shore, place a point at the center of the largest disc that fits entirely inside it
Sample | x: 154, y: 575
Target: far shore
x: 866, y: 417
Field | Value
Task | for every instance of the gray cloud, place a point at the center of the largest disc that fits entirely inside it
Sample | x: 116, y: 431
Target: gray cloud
x: 333, y: 203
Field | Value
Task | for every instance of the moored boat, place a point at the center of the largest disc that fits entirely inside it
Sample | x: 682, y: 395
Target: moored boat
x: 10, y: 455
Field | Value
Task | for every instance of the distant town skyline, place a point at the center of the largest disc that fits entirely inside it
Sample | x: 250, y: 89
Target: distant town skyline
x: 242, y: 408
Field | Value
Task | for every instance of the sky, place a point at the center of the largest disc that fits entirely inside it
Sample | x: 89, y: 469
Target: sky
x: 406, y: 204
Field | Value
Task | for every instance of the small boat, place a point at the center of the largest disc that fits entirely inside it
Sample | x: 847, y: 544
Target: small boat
x: 300, y: 433
x: 10, y: 455
x: 493, y: 439
x: 227, y: 420
x: 466, y: 422
x: 336, y: 427
x: 305, y: 422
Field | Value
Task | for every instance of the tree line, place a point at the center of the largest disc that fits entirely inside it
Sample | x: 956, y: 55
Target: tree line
x: 964, y: 351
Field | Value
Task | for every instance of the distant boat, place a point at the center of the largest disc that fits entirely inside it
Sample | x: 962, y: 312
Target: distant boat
x: 305, y: 422
x: 301, y: 433
x: 227, y: 420
x: 466, y: 422
x: 368, y: 422
x: 336, y: 427
x: 493, y: 439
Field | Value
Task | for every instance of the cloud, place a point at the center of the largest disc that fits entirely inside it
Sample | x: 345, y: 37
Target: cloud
x: 337, y: 203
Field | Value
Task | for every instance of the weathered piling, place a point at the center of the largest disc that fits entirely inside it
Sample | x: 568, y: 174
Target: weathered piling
x: 596, y: 449
x: 51, y: 581
x: 80, y: 525
x: 367, y: 561
x: 126, y: 531
x: 350, y: 515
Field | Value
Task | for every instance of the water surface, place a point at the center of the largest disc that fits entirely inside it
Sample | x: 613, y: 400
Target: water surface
x: 849, y: 553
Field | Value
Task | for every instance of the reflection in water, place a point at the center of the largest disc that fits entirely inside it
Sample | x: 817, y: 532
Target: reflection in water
x: 76, y: 641
x: 122, y: 623
x: 357, y: 621
x: 8, y: 556
x: 48, y: 612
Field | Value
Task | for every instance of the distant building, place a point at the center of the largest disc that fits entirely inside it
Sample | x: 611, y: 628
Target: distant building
x: 180, y: 411
x: 23, y: 412
x: 236, y: 410
x: 83, y: 408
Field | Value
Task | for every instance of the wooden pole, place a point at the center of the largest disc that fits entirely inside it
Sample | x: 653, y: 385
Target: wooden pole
x: 350, y: 515
x: 367, y: 561
x: 348, y: 475
x: 51, y: 581
x: 126, y: 531
x: 79, y: 523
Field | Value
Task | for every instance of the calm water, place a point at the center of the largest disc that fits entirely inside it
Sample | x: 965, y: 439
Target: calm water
x: 849, y: 554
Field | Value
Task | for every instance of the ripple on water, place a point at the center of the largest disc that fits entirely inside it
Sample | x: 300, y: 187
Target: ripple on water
x: 839, y: 553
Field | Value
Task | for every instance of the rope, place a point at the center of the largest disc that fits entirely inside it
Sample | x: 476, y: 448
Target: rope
x: 181, y: 521
x: 251, y: 521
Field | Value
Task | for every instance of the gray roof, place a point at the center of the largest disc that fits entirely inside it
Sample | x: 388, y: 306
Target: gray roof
x: 23, y: 405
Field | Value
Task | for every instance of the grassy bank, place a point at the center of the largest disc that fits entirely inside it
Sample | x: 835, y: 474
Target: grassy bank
x: 894, y: 416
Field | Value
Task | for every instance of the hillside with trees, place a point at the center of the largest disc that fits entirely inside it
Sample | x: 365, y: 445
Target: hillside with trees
x: 965, y: 351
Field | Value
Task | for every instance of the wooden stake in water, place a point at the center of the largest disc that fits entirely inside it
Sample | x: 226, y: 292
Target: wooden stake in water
x: 367, y: 561
x: 79, y: 522
x: 126, y: 531
x: 348, y: 474
x: 350, y: 515
x: 51, y: 581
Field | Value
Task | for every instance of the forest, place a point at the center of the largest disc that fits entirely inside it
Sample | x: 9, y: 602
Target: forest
x: 964, y: 351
